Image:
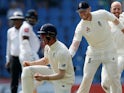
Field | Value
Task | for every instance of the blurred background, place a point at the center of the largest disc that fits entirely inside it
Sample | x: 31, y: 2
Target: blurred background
x: 61, y: 13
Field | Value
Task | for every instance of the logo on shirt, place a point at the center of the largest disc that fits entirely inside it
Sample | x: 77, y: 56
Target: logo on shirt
x: 54, y: 54
x: 99, y: 23
x: 63, y: 65
x: 89, y: 61
x: 87, y: 29
x: 26, y: 30
x: 113, y: 58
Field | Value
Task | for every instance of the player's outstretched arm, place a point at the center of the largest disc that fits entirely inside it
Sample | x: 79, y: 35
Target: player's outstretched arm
x: 74, y: 47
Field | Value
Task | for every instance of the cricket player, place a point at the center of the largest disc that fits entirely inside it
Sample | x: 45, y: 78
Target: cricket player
x: 60, y: 72
x: 95, y: 28
x: 29, y: 42
x: 12, y: 50
x: 118, y: 36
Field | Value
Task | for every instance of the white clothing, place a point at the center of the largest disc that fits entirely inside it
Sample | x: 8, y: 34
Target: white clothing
x: 12, y: 43
x: 101, y: 49
x: 29, y: 48
x: 96, y: 31
x: 118, y: 37
x: 59, y: 58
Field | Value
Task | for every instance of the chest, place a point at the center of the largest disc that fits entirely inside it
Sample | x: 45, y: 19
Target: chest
x: 94, y: 28
x: 14, y: 36
x: 52, y: 56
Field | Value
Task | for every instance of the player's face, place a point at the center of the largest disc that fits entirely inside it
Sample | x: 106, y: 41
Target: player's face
x: 84, y: 14
x: 17, y: 23
x: 116, y: 10
x: 44, y: 39
x: 32, y: 21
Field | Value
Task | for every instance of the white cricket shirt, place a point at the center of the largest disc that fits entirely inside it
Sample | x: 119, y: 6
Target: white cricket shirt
x: 60, y: 58
x: 27, y: 30
x: 118, y: 36
x: 97, y: 32
x: 12, y: 43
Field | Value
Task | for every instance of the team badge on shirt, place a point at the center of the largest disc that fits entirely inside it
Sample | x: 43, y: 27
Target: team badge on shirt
x: 26, y: 30
x: 54, y: 54
x: 89, y: 61
x: 87, y: 29
x: 63, y: 65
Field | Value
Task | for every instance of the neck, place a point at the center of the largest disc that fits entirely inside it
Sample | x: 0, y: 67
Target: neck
x: 52, y: 42
x: 89, y: 17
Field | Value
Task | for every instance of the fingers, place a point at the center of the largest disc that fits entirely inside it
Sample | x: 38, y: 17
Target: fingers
x: 26, y: 63
x: 7, y: 64
x: 38, y: 77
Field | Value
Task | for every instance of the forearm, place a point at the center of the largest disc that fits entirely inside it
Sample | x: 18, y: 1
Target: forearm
x: 55, y: 76
x: 74, y: 47
x: 52, y: 77
x: 42, y: 61
x: 8, y: 51
x: 119, y: 25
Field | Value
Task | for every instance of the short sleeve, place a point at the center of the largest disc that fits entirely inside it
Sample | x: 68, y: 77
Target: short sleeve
x: 26, y: 31
x: 63, y: 61
x: 46, y: 50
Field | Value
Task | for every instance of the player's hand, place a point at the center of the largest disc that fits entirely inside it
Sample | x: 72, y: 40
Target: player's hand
x: 38, y: 77
x: 7, y: 66
x: 26, y: 63
x: 122, y: 31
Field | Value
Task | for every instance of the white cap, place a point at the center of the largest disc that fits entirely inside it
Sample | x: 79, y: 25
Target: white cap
x: 17, y: 15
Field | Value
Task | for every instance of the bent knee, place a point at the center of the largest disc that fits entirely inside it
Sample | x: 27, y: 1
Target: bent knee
x: 105, y: 88
x: 26, y: 72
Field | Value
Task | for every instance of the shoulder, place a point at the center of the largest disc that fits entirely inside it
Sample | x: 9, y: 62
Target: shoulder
x: 25, y: 27
x: 122, y: 14
x: 10, y: 29
x: 46, y: 48
x: 121, y: 17
x: 62, y: 48
x: 79, y: 25
x: 99, y: 12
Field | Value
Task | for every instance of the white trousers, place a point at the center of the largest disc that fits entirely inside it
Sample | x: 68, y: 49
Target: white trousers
x: 28, y: 80
x: 105, y: 81
x: 89, y: 71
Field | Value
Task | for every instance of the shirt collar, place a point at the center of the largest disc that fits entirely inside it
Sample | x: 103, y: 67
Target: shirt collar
x: 54, y: 46
x: 16, y: 30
